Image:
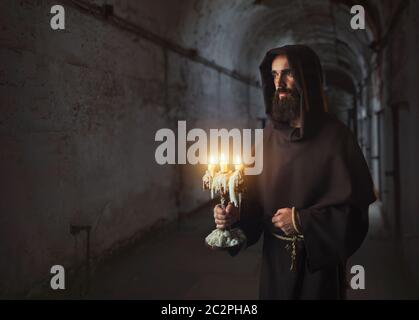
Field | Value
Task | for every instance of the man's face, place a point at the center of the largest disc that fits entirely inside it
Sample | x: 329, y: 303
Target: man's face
x: 281, y: 73
x: 286, y: 100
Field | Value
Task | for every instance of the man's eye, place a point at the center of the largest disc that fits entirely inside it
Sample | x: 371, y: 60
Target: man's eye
x: 288, y: 73
x: 274, y: 73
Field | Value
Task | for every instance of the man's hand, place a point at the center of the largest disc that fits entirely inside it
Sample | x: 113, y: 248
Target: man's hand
x: 282, y: 219
x: 224, y: 218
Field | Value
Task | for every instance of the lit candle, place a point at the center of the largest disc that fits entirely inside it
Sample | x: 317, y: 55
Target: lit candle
x: 238, y: 164
x: 223, y: 163
x: 212, y: 165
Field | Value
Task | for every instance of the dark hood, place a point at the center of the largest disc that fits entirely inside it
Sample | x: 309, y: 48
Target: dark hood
x: 308, y: 75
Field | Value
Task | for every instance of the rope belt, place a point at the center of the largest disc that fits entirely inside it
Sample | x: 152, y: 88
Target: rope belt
x: 291, y: 246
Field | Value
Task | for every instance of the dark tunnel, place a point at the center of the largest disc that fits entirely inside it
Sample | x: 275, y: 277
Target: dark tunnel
x: 80, y: 186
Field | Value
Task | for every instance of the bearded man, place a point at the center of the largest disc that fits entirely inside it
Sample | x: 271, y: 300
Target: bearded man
x: 311, y: 200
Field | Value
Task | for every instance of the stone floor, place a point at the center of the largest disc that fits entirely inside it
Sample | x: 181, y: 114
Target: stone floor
x: 177, y: 265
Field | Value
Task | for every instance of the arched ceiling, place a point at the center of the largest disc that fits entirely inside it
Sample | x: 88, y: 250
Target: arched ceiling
x: 237, y: 33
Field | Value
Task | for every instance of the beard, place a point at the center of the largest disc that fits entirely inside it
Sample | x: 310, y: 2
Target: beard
x: 286, y: 109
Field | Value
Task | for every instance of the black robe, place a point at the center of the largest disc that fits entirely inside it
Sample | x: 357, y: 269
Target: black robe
x: 319, y: 169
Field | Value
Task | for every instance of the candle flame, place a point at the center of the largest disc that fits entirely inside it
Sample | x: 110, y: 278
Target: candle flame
x: 213, y: 160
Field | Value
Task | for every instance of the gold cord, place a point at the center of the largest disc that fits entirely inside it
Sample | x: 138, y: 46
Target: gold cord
x: 293, y: 220
x: 291, y: 247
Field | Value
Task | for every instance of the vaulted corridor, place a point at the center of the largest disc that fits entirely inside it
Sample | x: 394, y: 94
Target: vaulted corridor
x: 80, y: 109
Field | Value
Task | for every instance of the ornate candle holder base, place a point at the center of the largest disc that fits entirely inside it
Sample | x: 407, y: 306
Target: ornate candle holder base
x: 225, y: 239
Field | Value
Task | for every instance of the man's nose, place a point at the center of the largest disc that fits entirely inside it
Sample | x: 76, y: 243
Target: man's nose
x: 279, y: 82
x: 276, y: 82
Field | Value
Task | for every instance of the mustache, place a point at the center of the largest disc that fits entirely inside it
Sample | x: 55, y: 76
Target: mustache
x: 284, y: 90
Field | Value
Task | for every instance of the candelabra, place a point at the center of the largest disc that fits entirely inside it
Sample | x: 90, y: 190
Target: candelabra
x: 229, y: 185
